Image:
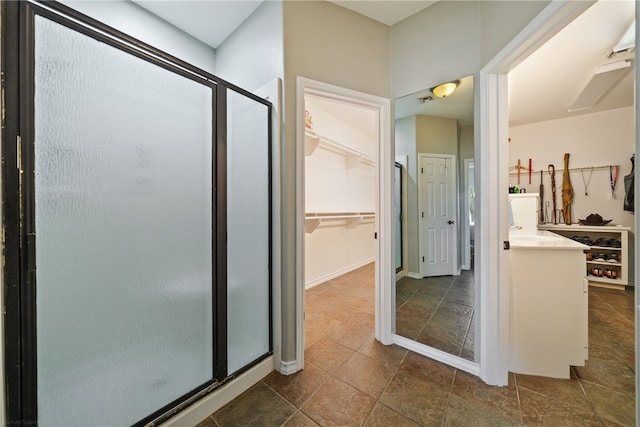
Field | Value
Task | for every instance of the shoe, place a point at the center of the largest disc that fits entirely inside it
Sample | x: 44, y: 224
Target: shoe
x: 604, y: 243
x: 599, y: 256
x: 613, y: 258
x: 615, y: 243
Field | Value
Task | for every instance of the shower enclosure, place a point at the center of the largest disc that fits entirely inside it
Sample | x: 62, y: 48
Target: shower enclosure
x: 136, y: 207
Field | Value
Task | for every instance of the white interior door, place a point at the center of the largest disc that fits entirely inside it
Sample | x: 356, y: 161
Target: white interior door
x: 438, y: 236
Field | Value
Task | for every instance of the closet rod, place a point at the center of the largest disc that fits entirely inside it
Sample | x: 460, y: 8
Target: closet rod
x: 340, y: 215
x: 341, y: 147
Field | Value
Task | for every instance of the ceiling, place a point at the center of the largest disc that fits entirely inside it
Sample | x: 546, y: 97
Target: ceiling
x: 541, y: 88
x: 208, y: 21
x: 544, y: 86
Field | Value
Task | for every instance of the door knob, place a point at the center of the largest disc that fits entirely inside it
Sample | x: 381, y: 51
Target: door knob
x: 449, y: 222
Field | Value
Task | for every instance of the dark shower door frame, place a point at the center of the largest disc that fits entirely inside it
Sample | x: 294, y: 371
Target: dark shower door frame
x: 18, y: 201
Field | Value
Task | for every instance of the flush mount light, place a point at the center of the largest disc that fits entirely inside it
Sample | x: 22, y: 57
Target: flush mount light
x: 445, y: 89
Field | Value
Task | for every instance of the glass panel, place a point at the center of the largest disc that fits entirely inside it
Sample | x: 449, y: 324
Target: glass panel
x: 123, y: 155
x: 247, y: 230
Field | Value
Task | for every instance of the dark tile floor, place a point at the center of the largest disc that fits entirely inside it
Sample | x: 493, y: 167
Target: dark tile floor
x: 438, y: 312
x: 350, y: 379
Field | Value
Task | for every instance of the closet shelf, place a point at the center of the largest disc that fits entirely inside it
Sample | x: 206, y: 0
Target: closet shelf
x: 353, y: 219
x: 353, y: 157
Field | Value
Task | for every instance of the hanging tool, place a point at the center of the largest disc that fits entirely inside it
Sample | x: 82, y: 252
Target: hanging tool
x: 586, y: 183
x: 552, y: 172
x: 519, y: 167
x: 567, y: 192
x: 613, y: 179
x: 546, y: 213
x: 541, y: 195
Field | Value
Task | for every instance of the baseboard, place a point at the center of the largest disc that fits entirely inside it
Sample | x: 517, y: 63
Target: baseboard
x: 400, y: 274
x: 196, y: 413
x: 414, y: 275
x: 288, y: 368
x: 316, y: 282
x: 439, y: 355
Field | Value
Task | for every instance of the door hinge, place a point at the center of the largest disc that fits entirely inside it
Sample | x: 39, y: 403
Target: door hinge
x: 422, y: 259
x: 505, y: 245
x: 421, y: 170
x: 375, y: 235
x: 422, y: 214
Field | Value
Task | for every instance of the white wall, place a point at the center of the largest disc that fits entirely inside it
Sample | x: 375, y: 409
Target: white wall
x: 135, y: 21
x: 598, y: 139
x: 335, y: 248
x: 253, y: 54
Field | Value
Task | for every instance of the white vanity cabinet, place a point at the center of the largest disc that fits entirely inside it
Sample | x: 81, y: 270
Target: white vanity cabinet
x: 610, y: 271
x: 548, y: 305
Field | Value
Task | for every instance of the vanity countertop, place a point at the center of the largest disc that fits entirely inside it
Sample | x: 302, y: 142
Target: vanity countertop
x: 541, y: 239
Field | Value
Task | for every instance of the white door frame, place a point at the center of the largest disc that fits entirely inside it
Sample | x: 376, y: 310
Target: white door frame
x: 385, y: 266
x: 454, y: 197
x: 464, y: 217
x: 492, y: 169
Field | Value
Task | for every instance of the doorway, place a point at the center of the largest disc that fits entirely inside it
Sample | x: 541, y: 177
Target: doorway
x: 437, y: 200
x: 352, y: 207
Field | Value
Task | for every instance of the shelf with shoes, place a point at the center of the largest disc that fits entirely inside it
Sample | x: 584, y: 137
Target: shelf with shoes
x: 607, y: 259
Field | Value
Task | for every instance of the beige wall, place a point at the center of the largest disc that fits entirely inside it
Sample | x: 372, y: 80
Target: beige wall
x: 466, y: 143
x: 327, y: 43
x: 436, y: 135
x: 452, y: 39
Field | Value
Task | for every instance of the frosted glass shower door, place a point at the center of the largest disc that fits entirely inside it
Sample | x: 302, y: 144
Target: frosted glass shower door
x: 248, y: 238
x: 123, y: 223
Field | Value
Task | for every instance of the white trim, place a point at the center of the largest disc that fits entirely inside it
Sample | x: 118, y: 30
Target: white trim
x: 404, y: 161
x: 272, y: 92
x: 455, y: 270
x: 439, y: 355
x: 288, y: 368
x: 385, y: 271
x: 414, y: 275
x: 492, y: 176
x: 636, y: 273
x: 464, y: 217
x: 201, y: 409
x: 340, y: 272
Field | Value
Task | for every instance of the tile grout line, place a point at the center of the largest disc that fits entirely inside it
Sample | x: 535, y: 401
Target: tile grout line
x: 515, y: 383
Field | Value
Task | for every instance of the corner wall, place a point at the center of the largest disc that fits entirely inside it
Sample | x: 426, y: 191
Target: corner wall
x: 137, y: 22
x: 452, y: 39
x: 330, y: 44
x: 252, y: 55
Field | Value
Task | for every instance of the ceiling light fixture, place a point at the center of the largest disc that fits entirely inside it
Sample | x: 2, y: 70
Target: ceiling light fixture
x: 445, y: 89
